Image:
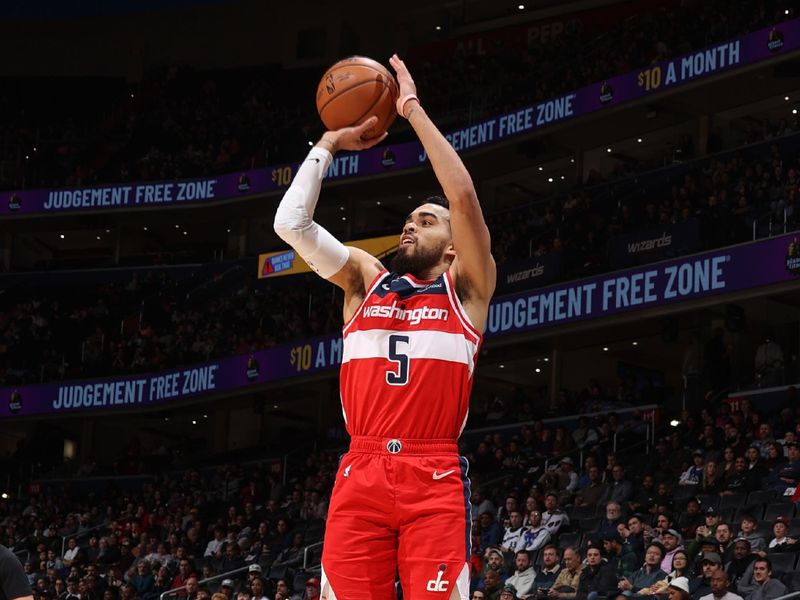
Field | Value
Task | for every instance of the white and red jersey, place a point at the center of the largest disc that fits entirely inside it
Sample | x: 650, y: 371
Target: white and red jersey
x: 408, y: 360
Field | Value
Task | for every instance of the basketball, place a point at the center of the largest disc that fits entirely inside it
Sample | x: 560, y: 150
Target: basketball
x: 355, y: 89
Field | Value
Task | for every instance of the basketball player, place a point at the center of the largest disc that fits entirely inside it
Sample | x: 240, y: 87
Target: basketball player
x: 411, y: 339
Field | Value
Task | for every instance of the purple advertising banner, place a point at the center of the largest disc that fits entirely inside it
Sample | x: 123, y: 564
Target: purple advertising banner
x: 667, y: 75
x: 720, y: 272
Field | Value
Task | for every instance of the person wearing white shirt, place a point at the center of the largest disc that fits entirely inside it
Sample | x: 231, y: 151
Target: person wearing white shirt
x: 215, y: 544
x: 537, y: 536
x: 512, y: 539
x: 779, y: 529
x: 719, y: 588
x: 523, y: 577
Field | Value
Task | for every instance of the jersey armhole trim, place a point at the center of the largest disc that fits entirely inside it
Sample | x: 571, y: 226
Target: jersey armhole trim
x: 459, y: 308
x: 375, y: 282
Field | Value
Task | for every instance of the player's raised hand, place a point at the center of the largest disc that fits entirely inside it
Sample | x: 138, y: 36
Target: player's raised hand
x: 404, y: 81
x: 350, y: 138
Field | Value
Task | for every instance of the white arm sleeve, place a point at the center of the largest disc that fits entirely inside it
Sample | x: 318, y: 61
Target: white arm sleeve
x: 294, y: 222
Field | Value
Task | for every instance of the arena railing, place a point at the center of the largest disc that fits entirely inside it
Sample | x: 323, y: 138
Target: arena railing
x: 769, y: 217
x: 306, y: 551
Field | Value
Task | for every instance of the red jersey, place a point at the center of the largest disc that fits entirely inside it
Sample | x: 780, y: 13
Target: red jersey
x: 408, y: 360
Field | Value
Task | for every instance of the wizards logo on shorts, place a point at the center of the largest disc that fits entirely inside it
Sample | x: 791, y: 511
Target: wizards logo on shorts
x: 606, y: 93
x: 793, y: 257
x: 15, y: 402
x: 775, y: 40
x: 278, y: 263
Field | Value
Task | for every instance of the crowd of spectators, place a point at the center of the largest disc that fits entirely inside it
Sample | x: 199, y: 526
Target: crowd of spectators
x: 158, y: 319
x: 556, y: 513
x: 182, y: 123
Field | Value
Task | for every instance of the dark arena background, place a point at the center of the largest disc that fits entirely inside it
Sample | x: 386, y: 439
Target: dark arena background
x: 170, y: 420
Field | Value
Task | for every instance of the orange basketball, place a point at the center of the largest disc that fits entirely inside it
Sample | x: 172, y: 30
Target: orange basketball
x: 355, y: 89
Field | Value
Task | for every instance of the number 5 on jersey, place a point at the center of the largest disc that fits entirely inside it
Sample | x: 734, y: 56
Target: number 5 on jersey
x: 399, y: 358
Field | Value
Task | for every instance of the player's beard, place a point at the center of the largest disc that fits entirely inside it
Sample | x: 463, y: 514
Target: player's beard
x: 417, y: 262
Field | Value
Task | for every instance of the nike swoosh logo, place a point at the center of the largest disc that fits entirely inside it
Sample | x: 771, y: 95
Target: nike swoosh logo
x: 443, y: 475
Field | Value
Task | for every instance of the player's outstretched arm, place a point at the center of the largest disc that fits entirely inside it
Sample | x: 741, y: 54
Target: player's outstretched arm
x: 352, y: 269
x: 474, y: 266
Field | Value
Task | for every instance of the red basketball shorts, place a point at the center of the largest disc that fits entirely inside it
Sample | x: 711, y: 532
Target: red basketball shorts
x: 398, y: 506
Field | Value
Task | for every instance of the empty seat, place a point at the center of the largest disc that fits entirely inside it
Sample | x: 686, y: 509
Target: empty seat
x: 791, y: 581
x: 782, y: 562
x: 569, y: 540
x: 760, y: 497
x: 732, y: 501
x: 589, y: 525
x: 778, y: 509
x: 707, y: 500
x: 582, y: 512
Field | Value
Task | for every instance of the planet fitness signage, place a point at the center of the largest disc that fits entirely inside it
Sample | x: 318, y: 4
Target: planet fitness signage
x: 767, y: 262
x: 654, y: 79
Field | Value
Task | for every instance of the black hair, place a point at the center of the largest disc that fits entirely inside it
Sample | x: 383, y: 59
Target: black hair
x: 440, y: 200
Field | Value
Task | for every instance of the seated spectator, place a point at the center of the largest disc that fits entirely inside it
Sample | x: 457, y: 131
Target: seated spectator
x: 494, y: 561
x: 741, y: 481
x: 513, y: 538
x: 312, y: 590
x: 547, y: 575
x: 763, y: 587
x: 608, y: 525
x: 634, y: 534
x: 719, y: 588
x: 537, y: 535
x: 619, y: 555
x: 691, y: 519
x: 748, y: 532
x: 725, y: 540
x: 788, y: 474
x: 739, y: 564
x: 644, y: 497
x: 598, y: 577
x: 701, y: 586
x: 680, y: 568
x: 671, y: 540
x: 491, y: 533
x: 553, y: 517
x: 678, y: 589
x: 713, y: 479
x: 566, y: 584
x: 693, y: 476
x: 620, y: 489
x: 491, y: 584
x: 648, y: 575
x: 781, y: 541
x: 596, y: 489
x: 524, y: 576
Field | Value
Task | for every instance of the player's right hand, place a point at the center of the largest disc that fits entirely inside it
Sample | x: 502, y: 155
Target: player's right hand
x: 349, y: 138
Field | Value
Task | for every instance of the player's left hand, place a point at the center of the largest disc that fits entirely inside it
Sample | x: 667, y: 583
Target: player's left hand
x: 404, y: 79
